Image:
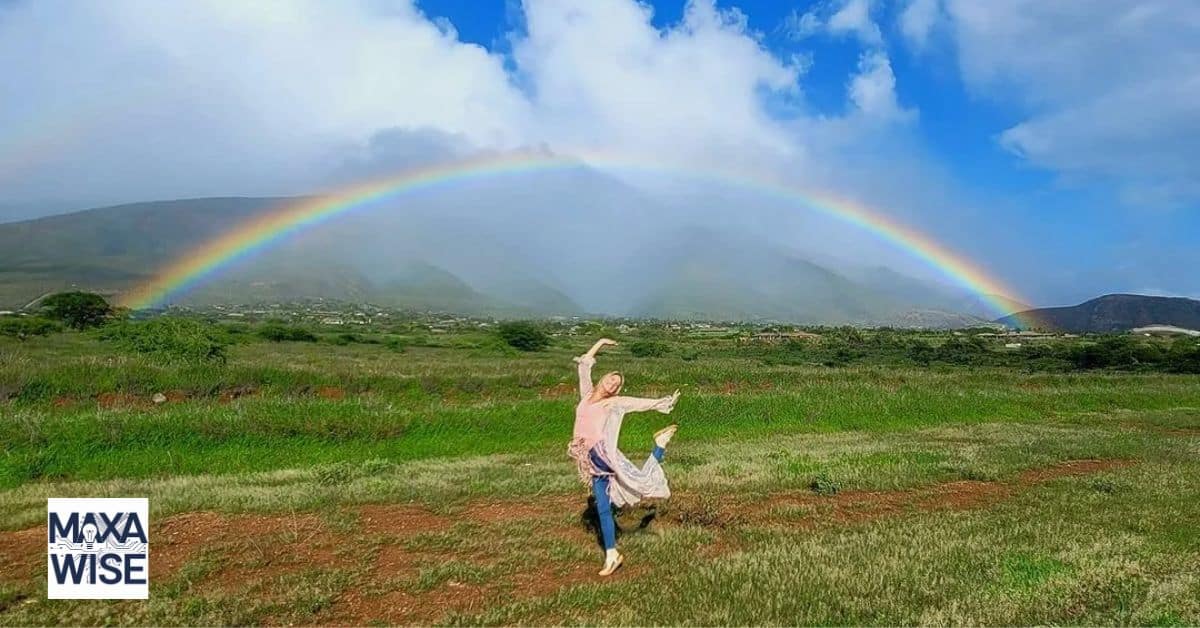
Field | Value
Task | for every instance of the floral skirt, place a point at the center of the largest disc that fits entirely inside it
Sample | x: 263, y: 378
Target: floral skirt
x: 590, y: 462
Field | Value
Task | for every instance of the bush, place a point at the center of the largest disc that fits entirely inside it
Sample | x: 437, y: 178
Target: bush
x: 77, y: 309
x: 523, y: 335
x: 350, y: 338
x: 1184, y: 356
x: 170, y: 339
x: 1109, y: 352
x: 280, y: 333
x: 648, y: 349
x: 959, y: 351
x: 27, y: 327
x: 823, y: 485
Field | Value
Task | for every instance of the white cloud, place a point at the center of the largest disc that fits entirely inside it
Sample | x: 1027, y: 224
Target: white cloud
x: 231, y: 98
x: 605, y: 79
x: 917, y: 21
x: 798, y: 26
x: 854, y: 17
x: 873, y: 89
x: 145, y: 96
x: 1111, y: 92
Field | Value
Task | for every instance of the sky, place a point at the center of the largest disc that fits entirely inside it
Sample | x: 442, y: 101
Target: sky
x: 1056, y: 144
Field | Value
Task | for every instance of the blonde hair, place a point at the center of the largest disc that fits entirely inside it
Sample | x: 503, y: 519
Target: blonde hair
x: 618, y: 374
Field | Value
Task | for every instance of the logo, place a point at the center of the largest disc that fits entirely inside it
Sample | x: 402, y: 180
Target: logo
x: 98, y: 549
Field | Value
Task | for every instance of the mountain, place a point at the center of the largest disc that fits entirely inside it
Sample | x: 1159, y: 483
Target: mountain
x: 1113, y: 312
x: 110, y: 249
x: 703, y: 274
x: 933, y: 297
x: 569, y: 242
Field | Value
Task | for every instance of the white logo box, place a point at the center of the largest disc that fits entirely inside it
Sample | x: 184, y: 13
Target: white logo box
x: 98, y: 548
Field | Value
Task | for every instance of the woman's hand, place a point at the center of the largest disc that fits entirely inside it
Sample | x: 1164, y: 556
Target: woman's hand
x: 596, y: 348
x: 670, y: 402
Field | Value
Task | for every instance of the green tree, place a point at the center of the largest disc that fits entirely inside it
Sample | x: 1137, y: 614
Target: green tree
x: 523, y: 335
x: 77, y: 309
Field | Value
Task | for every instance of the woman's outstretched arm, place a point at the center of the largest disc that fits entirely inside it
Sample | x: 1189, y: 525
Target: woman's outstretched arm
x: 585, y: 366
x: 640, y: 404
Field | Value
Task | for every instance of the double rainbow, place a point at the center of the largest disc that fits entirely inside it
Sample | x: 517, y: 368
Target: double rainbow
x: 260, y: 232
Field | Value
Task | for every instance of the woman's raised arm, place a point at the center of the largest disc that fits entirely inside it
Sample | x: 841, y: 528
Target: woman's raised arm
x: 641, y: 404
x: 585, y: 366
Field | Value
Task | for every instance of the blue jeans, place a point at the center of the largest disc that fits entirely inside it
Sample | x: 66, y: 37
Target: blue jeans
x: 608, y: 527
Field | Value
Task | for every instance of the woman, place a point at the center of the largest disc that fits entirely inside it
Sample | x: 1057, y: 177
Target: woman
x: 614, y: 480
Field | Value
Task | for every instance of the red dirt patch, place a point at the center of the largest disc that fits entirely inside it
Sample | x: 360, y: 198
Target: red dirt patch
x: 229, y: 394
x: 355, y: 607
x: 562, y: 389
x: 400, y: 520
x: 857, y: 506
x: 62, y: 401
x: 251, y: 548
x: 250, y: 551
x: 502, y: 512
x: 23, y: 554
x: 118, y: 400
x: 331, y: 392
x: 1070, y: 468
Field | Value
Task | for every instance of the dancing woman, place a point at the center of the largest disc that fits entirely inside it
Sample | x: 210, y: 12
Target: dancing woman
x: 614, y: 480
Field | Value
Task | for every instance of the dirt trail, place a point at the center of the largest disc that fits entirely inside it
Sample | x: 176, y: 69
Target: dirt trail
x: 377, y: 544
x: 810, y: 510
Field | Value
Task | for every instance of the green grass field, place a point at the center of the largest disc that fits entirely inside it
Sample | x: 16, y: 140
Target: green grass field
x: 315, y: 483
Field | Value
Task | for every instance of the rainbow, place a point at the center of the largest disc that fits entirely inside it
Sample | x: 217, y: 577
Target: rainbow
x: 260, y: 232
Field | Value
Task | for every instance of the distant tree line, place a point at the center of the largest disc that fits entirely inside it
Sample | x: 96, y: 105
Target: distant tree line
x: 845, y: 346
x: 175, y: 338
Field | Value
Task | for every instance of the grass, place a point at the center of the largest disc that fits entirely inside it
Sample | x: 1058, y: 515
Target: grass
x: 802, y: 494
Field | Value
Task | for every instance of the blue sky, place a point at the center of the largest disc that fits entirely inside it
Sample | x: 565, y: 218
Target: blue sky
x: 1054, y: 143
x: 1079, y: 227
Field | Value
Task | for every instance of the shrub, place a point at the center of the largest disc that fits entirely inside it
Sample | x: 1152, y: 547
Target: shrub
x: 1109, y: 352
x: 920, y: 352
x: 170, y: 339
x: 523, y: 335
x: 1184, y: 356
x: 959, y: 351
x: 77, y: 309
x: 27, y: 326
x: 822, y: 485
x: 648, y: 349
x: 276, y: 332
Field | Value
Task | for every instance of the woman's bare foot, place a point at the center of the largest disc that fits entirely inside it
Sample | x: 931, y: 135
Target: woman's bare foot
x: 663, y: 436
x: 611, y: 565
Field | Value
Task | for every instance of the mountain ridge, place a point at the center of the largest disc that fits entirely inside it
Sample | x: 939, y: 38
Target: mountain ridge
x: 450, y: 253
x: 1111, y: 313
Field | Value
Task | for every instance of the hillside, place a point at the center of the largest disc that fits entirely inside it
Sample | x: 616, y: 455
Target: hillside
x: 702, y: 274
x: 1113, y: 312
x: 577, y: 242
x: 111, y: 249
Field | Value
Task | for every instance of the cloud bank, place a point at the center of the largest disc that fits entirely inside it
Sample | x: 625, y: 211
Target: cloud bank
x: 140, y: 99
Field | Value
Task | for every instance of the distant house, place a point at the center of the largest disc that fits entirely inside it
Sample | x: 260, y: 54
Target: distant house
x: 1164, y: 330
x: 772, y: 337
